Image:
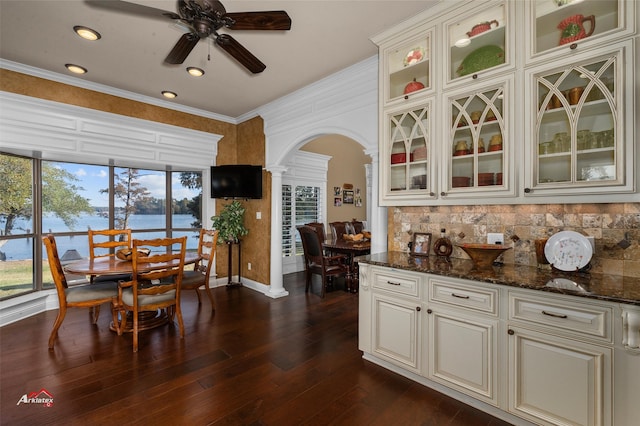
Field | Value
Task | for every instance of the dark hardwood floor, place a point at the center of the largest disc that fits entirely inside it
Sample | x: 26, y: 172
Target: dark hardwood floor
x: 255, y: 361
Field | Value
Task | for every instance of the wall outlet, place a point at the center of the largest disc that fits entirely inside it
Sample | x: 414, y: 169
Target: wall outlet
x: 258, y: 215
x: 249, y: 266
x: 495, y: 238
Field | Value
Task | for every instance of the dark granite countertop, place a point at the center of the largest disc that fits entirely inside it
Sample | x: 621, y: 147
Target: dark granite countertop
x: 610, y: 288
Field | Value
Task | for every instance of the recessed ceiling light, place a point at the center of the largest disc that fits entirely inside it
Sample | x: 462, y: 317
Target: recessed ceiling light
x: 87, y: 33
x: 196, y: 72
x: 168, y: 94
x: 76, y: 69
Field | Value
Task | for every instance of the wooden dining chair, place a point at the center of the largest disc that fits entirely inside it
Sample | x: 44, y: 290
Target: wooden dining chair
x: 80, y: 296
x: 338, y: 229
x: 316, y: 262
x: 155, y: 289
x: 105, y: 242
x: 199, y: 276
x: 319, y: 227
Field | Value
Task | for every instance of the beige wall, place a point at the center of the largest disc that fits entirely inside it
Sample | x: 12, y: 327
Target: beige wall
x: 346, y: 166
x: 608, y: 223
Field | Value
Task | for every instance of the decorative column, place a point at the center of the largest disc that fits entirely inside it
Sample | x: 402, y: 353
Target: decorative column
x: 276, y: 285
x: 378, y: 219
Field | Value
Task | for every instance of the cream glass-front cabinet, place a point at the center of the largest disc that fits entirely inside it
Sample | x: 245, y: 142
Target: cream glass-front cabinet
x: 408, y: 156
x: 580, y: 125
x: 554, y: 79
x: 480, y: 144
x: 562, y: 27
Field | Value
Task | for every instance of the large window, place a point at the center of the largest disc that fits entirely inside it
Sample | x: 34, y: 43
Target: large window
x: 66, y: 199
x: 300, y: 204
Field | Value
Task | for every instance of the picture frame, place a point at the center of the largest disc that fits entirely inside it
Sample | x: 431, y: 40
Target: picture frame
x: 337, y: 201
x: 347, y: 196
x: 421, y: 244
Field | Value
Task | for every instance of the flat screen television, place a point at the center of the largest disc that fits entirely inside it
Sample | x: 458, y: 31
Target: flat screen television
x: 236, y: 181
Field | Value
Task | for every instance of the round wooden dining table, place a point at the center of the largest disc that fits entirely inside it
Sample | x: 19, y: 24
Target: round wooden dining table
x: 110, y: 265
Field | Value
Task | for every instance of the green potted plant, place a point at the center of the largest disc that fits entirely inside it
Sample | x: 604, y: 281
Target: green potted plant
x: 230, y: 223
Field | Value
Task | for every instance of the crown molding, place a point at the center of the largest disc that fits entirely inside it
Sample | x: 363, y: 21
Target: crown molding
x: 108, y: 90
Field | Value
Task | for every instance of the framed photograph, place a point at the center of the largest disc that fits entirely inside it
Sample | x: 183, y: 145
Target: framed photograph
x: 421, y: 244
x: 337, y: 190
x: 337, y: 201
x: 347, y: 196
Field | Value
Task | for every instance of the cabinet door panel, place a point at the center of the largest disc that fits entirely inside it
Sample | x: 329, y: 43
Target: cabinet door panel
x: 578, y: 127
x: 396, y: 331
x: 559, y: 381
x: 561, y: 27
x: 463, y: 354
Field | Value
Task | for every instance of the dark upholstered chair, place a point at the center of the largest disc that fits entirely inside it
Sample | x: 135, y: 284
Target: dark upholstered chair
x: 315, y: 261
x: 338, y: 229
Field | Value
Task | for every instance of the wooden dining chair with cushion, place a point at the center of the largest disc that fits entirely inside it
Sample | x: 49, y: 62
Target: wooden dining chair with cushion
x: 357, y: 226
x: 105, y: 242
x: 80, y: 296
x: 316, y: 262
x: 199, y: 276
x: 151, y: 290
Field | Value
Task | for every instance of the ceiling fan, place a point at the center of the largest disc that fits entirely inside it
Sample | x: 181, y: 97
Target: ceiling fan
x: 204, y: 18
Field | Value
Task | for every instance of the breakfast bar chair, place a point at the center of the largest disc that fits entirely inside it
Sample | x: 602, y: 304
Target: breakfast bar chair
x: 80, y: 296
x: 199, y: 276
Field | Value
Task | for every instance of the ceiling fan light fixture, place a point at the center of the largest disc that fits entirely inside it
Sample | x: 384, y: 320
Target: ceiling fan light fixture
x: 196, y: 72
x: 87, y: 33
x: 76, y: 69
x: 169, y: 95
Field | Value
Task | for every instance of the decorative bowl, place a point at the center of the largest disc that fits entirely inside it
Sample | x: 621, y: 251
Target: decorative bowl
x: 127, y: 254
x: 483, y: 255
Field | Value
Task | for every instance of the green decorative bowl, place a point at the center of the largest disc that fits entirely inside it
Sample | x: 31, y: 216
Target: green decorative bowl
x: 483, y: 255
x: 481, y: 59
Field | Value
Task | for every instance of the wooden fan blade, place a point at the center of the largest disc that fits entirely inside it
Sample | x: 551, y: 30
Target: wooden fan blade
x: 240, y: 53
x: 133, y: 9
x: 274, y: 20
x: 183, y: 47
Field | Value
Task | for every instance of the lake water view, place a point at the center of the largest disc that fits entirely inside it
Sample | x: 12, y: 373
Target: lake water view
x: 21, y: 249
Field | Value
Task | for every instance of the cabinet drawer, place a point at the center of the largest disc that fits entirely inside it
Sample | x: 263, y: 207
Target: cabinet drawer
x: 462, y: 295
x: 578, y: 317
x: 397, y: 281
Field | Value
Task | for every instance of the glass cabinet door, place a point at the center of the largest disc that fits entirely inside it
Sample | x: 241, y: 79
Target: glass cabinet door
x: 477, y: 141
x: 576, y: 124
x: 563, y: 25
x: 407, y: 68
x: 408, y: 156
x: 477, y: 43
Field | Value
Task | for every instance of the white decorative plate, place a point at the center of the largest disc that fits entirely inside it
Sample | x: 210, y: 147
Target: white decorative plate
x: 414, y: 56
x: 568, y: 251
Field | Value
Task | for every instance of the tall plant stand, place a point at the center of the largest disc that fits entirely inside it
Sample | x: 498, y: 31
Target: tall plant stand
x: 230, y: 282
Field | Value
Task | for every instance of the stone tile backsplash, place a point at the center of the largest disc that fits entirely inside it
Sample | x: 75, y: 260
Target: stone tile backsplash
x: 615, y: 227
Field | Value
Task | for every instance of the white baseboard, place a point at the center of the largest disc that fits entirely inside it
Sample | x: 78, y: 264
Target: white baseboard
x: 21, y: 307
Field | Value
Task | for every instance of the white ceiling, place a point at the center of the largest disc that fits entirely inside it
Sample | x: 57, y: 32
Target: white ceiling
x: 326, y: 36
